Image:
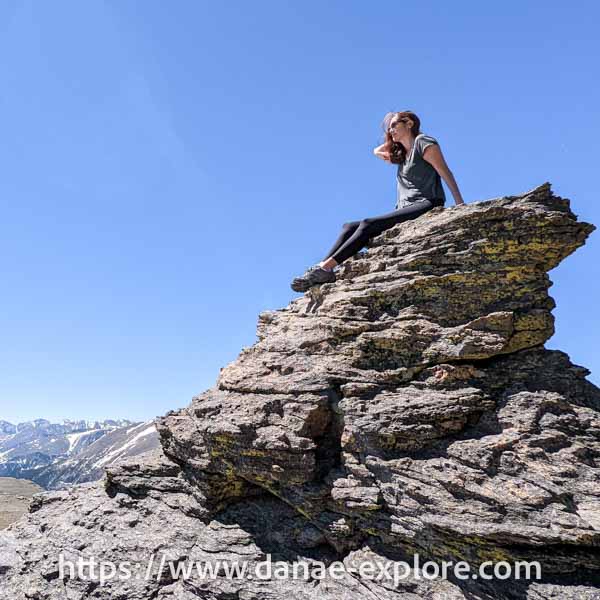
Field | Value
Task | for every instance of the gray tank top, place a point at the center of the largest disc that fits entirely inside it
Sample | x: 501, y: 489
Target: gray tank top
x: 416, y: 178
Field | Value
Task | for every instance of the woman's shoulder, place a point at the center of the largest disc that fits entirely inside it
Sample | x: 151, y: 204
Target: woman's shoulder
x: 425, y: 137
x: 424, y: 140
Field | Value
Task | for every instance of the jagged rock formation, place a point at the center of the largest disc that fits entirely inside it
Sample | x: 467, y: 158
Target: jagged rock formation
x: 409, y: 407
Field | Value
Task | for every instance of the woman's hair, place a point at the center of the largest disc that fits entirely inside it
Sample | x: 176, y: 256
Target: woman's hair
x: 397, y: 150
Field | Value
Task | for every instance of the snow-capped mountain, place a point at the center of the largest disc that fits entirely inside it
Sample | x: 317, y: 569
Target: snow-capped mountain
x: 55, y: 455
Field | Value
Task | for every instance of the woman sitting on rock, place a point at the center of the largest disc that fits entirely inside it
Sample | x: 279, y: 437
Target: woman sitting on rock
x: 420, y: 166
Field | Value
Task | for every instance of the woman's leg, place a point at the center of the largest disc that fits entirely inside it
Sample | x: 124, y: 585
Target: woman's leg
x: 373, y: 226
x: 347, y: 230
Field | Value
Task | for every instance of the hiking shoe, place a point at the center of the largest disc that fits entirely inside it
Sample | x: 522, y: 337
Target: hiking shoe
x: 313, y: 276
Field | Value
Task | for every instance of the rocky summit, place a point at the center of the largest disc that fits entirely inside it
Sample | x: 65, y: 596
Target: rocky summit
x: 407, y: 411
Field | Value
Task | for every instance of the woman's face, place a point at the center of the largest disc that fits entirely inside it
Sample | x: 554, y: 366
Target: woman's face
x: 399, y: 127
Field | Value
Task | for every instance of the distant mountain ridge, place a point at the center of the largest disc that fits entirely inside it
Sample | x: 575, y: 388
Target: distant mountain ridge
x: 54, y: 455
x: 65, y: 424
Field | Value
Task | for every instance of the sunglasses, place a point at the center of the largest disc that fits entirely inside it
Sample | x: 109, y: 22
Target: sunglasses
x: 393, y: 125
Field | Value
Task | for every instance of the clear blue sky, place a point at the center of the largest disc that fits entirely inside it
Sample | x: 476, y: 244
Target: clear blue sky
x: 168, y: 167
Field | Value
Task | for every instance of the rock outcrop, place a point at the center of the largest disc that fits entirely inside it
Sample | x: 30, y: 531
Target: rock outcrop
x: 409, y: 408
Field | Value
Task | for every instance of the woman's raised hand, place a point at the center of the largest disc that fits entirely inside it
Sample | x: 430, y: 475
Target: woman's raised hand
x: 383, y: 151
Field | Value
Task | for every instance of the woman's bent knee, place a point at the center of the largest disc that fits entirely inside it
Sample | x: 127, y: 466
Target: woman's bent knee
x: 350, y: 225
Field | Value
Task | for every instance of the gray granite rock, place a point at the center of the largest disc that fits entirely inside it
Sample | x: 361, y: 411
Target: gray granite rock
x: 409, y: 408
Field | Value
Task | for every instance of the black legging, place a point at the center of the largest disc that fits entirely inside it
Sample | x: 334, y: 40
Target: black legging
x: 355, y: 234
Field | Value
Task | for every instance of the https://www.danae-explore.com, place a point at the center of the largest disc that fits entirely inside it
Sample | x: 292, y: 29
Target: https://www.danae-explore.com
x: 160, y: 566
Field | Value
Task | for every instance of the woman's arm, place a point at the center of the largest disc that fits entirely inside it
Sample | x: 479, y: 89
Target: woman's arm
x: 383, y: 152
x: 433, y: 155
